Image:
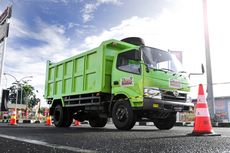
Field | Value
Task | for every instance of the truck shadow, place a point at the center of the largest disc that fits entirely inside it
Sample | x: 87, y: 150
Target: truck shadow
x: 78, y: 129
x: 164, y: 137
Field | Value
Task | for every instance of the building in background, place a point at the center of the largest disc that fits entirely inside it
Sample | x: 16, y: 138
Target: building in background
x: 222, y: 109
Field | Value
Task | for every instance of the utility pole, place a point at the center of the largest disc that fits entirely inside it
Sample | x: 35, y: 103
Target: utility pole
x: 210, y: 98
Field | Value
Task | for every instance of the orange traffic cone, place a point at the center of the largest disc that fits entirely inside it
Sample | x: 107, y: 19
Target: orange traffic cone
x: 77, y: 123
x: 48, y: 121
x: 13, y: 120
x: 202, y: 125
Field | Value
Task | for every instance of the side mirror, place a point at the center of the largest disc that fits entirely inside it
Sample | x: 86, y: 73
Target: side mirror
x: 202, y: 71
x: 202, y: 68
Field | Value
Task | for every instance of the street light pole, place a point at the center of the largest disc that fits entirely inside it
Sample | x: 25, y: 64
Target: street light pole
x: 16, y: 101
x: 210, y: 98
x: 21, y: 93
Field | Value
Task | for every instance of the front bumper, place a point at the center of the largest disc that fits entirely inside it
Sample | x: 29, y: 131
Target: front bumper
x: 156, y: 104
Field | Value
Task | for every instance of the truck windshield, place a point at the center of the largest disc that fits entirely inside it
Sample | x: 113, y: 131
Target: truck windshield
x: 160, y: 59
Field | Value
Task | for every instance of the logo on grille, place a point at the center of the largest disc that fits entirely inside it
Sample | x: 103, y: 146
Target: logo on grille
x: 176, y: 93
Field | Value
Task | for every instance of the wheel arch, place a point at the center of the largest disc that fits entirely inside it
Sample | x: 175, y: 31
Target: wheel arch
x: 115, y: 99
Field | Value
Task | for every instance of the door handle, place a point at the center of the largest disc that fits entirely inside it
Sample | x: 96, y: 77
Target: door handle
x: 115, y: 82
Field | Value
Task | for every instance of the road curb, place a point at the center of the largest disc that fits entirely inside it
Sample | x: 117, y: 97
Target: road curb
x: 223, y: 124
x: 26, y: 121
x: 190, y: 124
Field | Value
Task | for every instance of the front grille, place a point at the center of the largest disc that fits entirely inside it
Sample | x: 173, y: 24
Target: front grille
x: 170, y: 96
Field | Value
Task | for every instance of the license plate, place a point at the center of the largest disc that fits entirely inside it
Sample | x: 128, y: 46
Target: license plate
x: 178, y: 108
x: 175, y: 84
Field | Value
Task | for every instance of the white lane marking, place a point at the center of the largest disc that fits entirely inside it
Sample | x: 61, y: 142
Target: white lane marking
x: 37, y: 142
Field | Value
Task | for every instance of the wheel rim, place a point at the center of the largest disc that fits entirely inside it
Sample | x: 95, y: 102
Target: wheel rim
x: 122, y: 113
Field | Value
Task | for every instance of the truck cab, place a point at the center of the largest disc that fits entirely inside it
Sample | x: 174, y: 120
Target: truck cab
x: 154, y: 83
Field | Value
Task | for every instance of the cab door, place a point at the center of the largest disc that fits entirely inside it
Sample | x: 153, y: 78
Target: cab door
x: 127, y: 75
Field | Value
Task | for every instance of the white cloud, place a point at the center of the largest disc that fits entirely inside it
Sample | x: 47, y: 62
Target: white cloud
x: 18, y: 29
x: 60, y: 1
x: 87, y: 12
x: 51, y: 35
x: 87, y: 17
x: 71, y: 25
x: 90, y: 8
x: 23, y: 61
x: 180, y: 29
x: 117, y: 2
x: 162, y: 32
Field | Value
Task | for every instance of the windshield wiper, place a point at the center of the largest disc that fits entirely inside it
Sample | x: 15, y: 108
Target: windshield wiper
x: 162, y: 70
x: 167, y: 69
x: 182, y: 72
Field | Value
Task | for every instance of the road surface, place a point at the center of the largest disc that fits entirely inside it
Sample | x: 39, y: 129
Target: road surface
x: 29, y: 138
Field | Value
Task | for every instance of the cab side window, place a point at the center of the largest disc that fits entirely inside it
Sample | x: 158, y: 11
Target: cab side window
x: 129, y: 61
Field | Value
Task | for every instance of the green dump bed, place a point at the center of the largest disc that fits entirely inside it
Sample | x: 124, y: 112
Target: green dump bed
x: 88, y: 72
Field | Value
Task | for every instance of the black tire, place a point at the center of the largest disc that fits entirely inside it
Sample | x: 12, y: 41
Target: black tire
x: 68, y: 118
x: 62, y: 117
x: 123, y: 116
x: 98, y: 122
x: 167, y: 123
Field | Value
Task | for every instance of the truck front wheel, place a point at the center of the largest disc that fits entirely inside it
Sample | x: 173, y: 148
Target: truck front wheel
x: 123, y: 116
x: 98, y: 122
x: 62, y: 117
x: 167, y: 123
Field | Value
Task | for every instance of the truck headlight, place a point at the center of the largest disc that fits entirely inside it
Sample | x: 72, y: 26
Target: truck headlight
x: 188, y: 98
x: 152, y: 93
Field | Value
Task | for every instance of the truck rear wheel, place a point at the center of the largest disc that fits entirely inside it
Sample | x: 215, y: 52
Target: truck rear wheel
x: 98, y: 122
x: 123, y: 116
x: 68, y: 118
x: 167, y: 123
x: 62, y: 117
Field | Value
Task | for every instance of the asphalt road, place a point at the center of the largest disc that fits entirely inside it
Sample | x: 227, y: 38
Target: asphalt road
x: 29, y: 138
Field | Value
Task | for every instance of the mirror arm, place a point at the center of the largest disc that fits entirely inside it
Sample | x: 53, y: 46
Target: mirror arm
x: 146, y: 67
x: 202, y: 71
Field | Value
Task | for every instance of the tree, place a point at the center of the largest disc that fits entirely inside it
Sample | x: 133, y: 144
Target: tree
x: 42, y: 110
x: 26, y: 94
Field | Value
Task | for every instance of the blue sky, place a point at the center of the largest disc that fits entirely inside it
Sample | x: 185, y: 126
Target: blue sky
x: 53, y: 30
x: 79, y: 18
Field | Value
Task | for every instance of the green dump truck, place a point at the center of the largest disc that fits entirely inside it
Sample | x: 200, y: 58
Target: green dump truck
x: 123, y: 80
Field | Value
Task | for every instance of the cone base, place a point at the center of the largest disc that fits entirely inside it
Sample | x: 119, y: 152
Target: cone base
x: 48, y: 124
x: 203, y: 134
x: 13, y: 124
x: 77, y: 124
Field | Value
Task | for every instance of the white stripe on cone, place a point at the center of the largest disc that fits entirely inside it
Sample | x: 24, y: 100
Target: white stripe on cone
x: 202, y: 112
x: 201, y: 99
